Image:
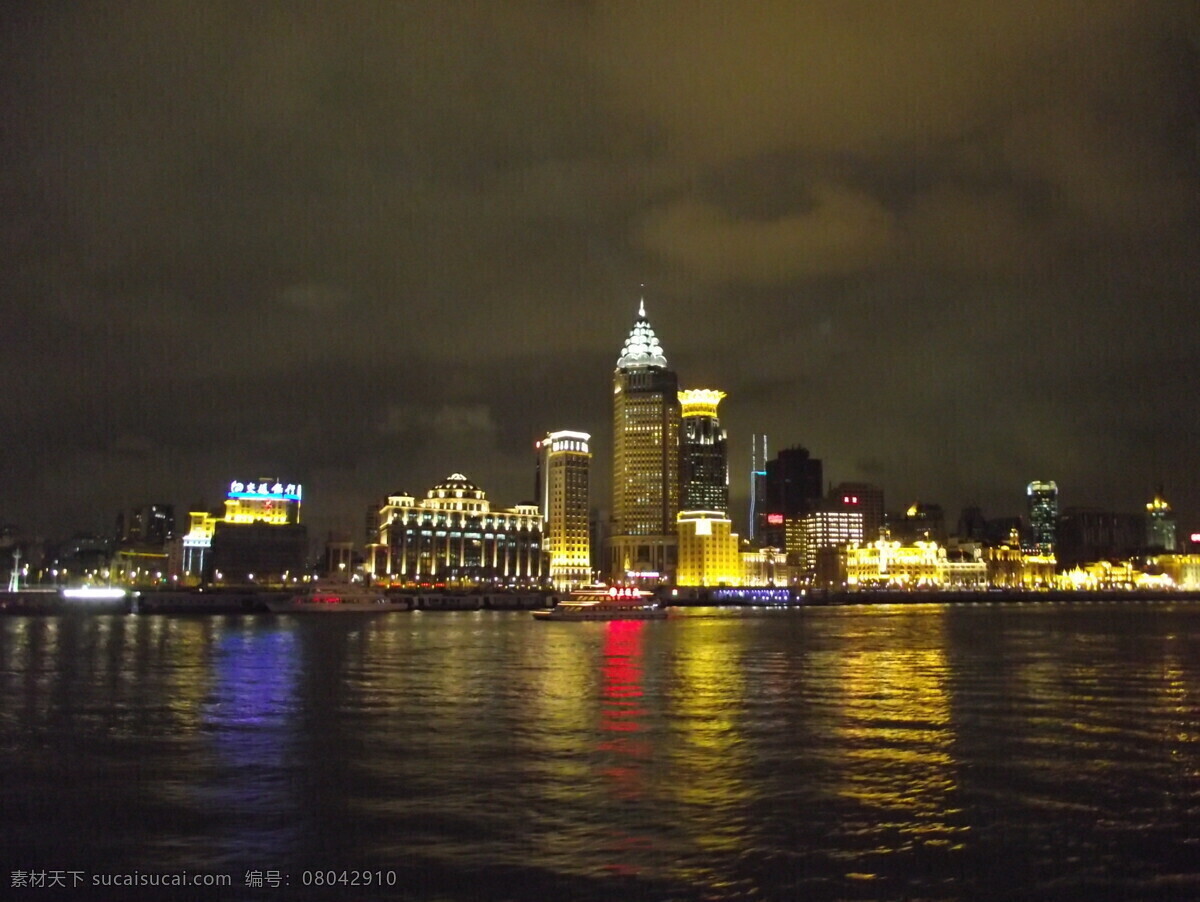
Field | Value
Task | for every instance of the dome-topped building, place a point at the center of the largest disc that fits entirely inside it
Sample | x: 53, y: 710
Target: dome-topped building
x: 458, y: 486
x: 454, y: 537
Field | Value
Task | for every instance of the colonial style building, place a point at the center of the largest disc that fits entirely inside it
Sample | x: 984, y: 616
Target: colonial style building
x: 453, y: 537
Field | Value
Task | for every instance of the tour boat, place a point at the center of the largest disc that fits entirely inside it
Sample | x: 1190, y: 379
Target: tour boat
x: 605, y: 603
x: 340, y: 598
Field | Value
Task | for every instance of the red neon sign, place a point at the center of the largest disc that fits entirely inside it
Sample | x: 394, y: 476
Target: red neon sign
x: 775, y: 518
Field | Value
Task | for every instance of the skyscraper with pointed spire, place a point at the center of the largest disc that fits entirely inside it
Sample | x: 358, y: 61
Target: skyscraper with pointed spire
x: 642, y: 538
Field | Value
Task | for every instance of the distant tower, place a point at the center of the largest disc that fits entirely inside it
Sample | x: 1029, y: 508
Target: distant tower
x: 645, y: 458
x: 972, y: 524
x: 1160, y: 525
x: 794, y: 483
x: 703, y: 461
x: 14, y: 579
x: 1043, y: 515
x: 758, y: 483
x: 564, y: 474
x: 150, y: 525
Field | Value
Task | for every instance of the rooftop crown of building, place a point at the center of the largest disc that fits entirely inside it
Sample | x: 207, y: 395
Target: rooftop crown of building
x: 1159, y: 505
x: 641, y: 347
x: 457, y: 485
x: 699, y: 402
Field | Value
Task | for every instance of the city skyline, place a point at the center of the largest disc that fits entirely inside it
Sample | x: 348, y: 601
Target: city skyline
x: 949, y: 248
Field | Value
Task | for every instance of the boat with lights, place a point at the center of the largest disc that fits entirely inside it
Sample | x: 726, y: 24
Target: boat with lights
x: 339, y: 598
x: 605, y: 603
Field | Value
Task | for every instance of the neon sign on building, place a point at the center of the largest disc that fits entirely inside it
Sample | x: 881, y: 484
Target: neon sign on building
x: 265, y: 491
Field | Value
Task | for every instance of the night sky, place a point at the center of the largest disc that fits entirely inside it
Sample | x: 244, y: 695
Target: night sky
x: 950, y: 247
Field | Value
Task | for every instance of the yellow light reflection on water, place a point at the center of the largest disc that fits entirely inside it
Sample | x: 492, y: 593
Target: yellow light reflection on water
x: 708, y: 751
x: 896, y: 734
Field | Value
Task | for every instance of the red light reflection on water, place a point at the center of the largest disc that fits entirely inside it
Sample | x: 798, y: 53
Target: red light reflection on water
x: 621, y: 706
x: 621, y: 715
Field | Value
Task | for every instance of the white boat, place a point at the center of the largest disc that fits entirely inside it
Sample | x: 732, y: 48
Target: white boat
x: 605, y: 603
x: 339, y: 598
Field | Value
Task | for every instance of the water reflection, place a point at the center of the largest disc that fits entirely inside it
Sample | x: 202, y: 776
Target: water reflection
x: 621, y: 743
x: 621, y: 708
x: 897, y: 735
x: 709, y: 753
x: 827, y: 753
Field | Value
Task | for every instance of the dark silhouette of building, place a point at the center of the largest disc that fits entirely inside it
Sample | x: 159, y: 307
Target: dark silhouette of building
x: 1089, y: 534
x: 972, y: 524
x: 1004, y: 531
x: 920, y: 521
x: 150, y: 525
x: 794, y: 482
x: 258, y: 553
x: 794, y: 487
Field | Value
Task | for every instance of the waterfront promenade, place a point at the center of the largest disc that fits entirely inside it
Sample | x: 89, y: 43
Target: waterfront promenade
x: 244, y: 601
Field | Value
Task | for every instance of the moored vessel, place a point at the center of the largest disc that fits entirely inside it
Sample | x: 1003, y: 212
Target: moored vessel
x: 341, y: 598
x: 605, y: 603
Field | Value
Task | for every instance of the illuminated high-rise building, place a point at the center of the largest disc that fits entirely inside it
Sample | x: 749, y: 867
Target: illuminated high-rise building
x: 1043, y: 515
x: 642, y: 541
x: 829, y: 527
x: 758, y: 483
x: 1160, y: 525
x: 865, y: 498
x: 703, y: 460
x: 564, y: 470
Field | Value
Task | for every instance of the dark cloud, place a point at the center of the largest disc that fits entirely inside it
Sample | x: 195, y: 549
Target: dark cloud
x: 948, y: 246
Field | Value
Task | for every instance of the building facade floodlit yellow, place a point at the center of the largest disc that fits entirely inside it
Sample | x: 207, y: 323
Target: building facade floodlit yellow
x: 709, y: 554
x: 886, y: 563
x: 564, y: 472
x: 763, y: 567
x: 1182, y: 570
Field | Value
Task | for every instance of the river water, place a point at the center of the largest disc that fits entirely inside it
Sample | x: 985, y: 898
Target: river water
x: 1016, y: 751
